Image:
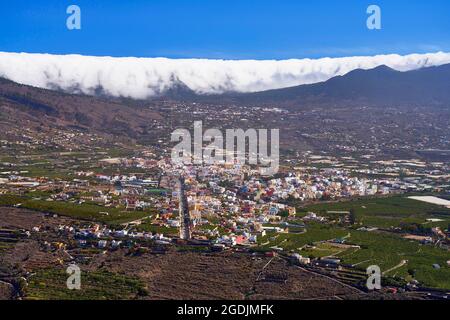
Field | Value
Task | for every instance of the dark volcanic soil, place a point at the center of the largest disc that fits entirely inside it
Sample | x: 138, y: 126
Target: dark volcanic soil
x: 226, y: 275
x: 173, y: 275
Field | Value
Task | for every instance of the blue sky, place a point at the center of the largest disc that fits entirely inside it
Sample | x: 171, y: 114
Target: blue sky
x: 231, y: 29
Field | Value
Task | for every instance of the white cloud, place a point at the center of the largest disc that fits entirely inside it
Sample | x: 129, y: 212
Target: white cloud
x: 145, y: 77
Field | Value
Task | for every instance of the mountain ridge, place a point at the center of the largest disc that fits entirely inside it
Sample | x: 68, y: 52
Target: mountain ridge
x: 381, y: 85
x: 377, y: 87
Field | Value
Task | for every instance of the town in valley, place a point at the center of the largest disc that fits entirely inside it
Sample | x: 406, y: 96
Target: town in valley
x: 141, y: 227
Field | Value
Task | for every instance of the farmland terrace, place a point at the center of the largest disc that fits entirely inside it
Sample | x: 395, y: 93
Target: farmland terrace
x: 167, y: 274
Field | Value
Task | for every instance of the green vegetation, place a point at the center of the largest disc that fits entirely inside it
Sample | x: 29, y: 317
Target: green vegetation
x: 384, y: 212
x: 50, y: 284
x: 292, y: 241
x: 400, y: 258
x: 324, y: 250
x: 80, y: 211
x: 148, y: 227
x: 9, y: 200
x: 45, y: 170
x: 388, y: 250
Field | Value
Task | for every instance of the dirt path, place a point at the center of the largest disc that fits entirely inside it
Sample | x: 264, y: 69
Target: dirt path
x: 332, y: 279
x: 401, y: 264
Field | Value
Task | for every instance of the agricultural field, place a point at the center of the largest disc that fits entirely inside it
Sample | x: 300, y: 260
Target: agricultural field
x: 385, y: 212
x: 376, y: 248
x: 397, y: 257
x: 389, y: 250
x: 293, y: 241
x: 326, y: 249
x: 50, y: 284
x: 83, y: 211
x: 147, y: 226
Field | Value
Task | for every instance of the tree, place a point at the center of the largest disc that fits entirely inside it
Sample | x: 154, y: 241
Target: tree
x: 412, y: 272
x: 283, y: 213
x: 352, y: 216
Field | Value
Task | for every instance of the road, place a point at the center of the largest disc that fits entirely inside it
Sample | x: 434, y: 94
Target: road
x: 185, y: 218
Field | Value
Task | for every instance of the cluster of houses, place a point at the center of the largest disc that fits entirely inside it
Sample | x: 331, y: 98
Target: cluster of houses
x: 105, y: 238
x: 229, y: 204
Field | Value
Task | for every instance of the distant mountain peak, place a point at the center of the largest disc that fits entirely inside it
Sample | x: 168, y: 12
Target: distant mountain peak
x: 380, y: 86
x: 384, y: 67
x: 379, y: 70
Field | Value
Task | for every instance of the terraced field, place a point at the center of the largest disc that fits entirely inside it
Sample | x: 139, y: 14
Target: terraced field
x: 83, y: 211
x: 382, y: 248
x: 385, y: 212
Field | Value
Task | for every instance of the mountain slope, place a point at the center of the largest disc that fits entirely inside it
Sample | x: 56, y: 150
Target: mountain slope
x: 381, y: 86
x: 41, y: 107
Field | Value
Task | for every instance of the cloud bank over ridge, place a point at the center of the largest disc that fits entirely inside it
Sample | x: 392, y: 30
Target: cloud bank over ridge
x: 146, y: 77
